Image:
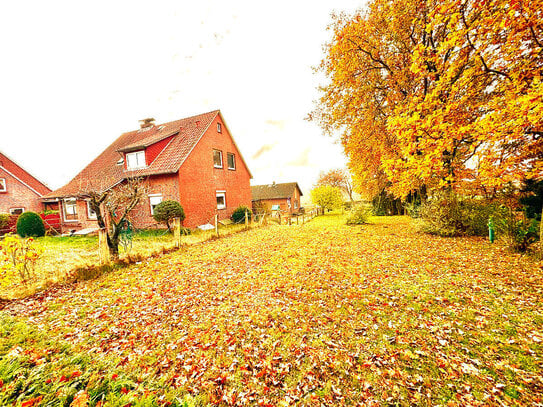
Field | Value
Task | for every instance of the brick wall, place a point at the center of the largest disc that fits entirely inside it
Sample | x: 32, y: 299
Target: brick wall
x: 18, y: 195
x: 199, y: 180
x: 165, y: 185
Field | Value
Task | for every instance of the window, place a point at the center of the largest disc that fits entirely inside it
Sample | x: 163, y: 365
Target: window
x: 219, y: 128
x: 231, y: 158
x: 154, y: 200
x: 70, y: 209
x: 2, y: 185
x: 217, y: 158
x: 295, y: 204
x: 90, y: 212
x: 16, y: 211
x: 135, y: 160
x: 221, y: 199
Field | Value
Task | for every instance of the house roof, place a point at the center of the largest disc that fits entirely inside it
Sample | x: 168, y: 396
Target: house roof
x: 274, y: 191
x: 15, y: 170
x: 106, y: 170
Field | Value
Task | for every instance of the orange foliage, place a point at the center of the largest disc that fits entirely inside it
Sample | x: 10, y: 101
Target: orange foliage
x: 442, y: 94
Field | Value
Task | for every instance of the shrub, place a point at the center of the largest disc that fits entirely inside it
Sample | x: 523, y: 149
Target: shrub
x: 166, y: 211
x: 30, y: 224
x: 518, y: 232
x: 447, y: 215
x: 238, y: 216
x: 442, y: 216
x: 4, y: 221
x: 476, y: 215
x: 358, y: 216
x: 413, y: 209
x: 17, y: 259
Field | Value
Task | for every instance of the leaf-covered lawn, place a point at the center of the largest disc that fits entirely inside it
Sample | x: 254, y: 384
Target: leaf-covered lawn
x: 303, y: 315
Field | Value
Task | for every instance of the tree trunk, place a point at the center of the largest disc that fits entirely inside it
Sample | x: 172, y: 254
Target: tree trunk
x: 113, y: 243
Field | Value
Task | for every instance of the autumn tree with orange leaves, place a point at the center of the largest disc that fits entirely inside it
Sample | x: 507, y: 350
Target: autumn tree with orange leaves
x: 338, y: 178
x: 439, y: 95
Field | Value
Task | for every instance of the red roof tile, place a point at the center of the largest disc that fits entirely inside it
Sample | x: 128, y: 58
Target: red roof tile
x: 105, y: 171
x: 274, y: 191
x: 23, y: 175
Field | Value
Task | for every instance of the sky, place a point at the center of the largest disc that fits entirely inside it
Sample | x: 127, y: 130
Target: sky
x: 75, y: 75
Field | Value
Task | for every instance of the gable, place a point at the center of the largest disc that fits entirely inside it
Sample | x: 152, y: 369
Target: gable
x: 169, y: 143
x: 211, y: 134
x: 22, y: 176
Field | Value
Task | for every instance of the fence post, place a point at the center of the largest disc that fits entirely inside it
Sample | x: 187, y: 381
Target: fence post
x: 217, y: 225
x: 177, y: 232
x: 246, y: 221
x: 103, y: 249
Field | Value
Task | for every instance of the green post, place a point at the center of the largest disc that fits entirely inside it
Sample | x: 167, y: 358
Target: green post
x: 491, y: 236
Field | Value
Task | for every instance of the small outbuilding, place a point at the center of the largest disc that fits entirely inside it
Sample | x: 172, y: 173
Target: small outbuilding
x: 285, y: 197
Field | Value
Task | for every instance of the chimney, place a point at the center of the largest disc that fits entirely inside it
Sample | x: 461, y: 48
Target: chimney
x: 149, y: 122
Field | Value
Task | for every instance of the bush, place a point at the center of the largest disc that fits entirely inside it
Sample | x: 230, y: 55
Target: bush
x: 518, y: 232
x: 447, y: 215
x: 238, y: 216
x: 413, y: 209
x: 30, y: 224
x: 358, y: 216
x: 166, y: 211
x: 443, y: 216
x: 17, y: 259
x: 4, y: 221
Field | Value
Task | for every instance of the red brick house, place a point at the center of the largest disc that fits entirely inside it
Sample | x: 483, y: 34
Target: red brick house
x: 286, y: 195
x: 194, y: 161
x: 19, y: 190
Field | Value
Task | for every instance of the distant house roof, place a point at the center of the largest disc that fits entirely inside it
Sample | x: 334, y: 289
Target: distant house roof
x: 14, y: 169
x: 274, y: 191
x: 107, y: 169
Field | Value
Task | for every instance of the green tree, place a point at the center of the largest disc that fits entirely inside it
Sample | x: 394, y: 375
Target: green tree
x: 166, y: 211
x: 327, y: 197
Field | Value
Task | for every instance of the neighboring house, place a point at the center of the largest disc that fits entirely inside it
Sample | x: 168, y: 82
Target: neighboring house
x: 19, y: 191
x: 287, y: 196
x: 194, y: 161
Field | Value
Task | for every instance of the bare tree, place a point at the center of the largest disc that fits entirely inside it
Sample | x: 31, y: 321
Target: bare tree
x: 112, y: 206
x: 339, y: 178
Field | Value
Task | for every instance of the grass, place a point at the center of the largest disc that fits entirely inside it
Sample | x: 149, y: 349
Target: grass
x: 64, y: 256
x: 319, y: 314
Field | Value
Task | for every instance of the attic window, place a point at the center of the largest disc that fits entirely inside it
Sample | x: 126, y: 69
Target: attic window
x: 2, y: 185
x: 219, y: 128
x: 135, y: 160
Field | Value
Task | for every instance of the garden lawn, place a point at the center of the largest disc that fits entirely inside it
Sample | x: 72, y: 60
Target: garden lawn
x: 319, y: 314
x: 61, y: 255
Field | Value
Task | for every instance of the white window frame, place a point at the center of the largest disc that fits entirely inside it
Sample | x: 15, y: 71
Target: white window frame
x: 3, y: 186
x: 153, y: 201
x: 64, y: 211
x: 220, y: 153
x: 222, y: 194
x: 12, y: 210
x: 228, y: 161
x: 90, y: 213
x: 139, y: 157
x: 219, y: 128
